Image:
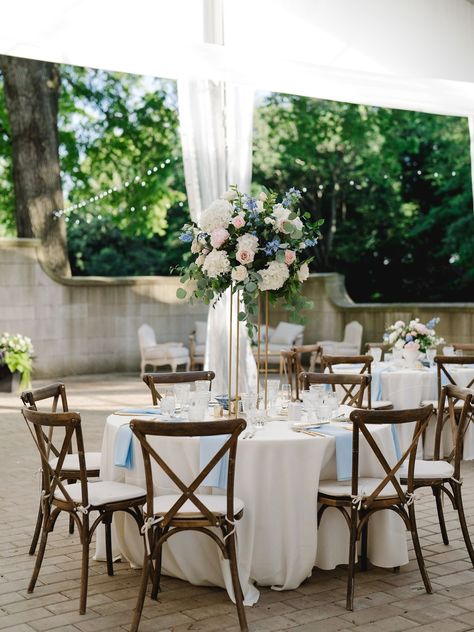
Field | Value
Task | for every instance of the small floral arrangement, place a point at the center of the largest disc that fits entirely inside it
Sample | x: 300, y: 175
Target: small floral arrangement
x: 16, y: 353
x: 401, y: 335
x: 252, y: 244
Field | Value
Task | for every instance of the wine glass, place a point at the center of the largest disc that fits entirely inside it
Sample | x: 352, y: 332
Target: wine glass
x: 181, y: 393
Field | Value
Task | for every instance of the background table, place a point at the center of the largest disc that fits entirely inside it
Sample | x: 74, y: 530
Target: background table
x: 277, y: 476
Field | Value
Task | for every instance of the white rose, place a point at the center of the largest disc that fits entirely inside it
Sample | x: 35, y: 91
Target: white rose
x: 259, y: 206
x: 303, y: 273
x: 239, y: 274
x: 229, y: 195
x: 268, y: 220
x: 216, y: 263
x: 217, y: 215
x: 297, y: 223
x: 262, y: 196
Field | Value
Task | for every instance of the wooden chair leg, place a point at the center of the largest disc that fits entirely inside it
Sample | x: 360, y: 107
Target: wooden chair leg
x: 36, y: 534
x: 418, y: 551
x: 352, y: 556
x: 239, y: 597
x: 439, y: 508
x: 363, y: 551
x: 107, y: 520
x: 462, y: 520
x: 141, y: 594
x: 40, y: 556
x: 85, y: 565
x: 157, y: 572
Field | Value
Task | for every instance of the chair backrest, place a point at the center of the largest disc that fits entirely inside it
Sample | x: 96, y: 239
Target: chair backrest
x: 360, y: 419
x: 146, y: 337
x: 293, y: 364
x: 39, y: 424
x: 383, y: 346
x: 463, y: 349
x: 445, y: 365
x: 459, y: 422
x: 352, y: 386
x: 151, y: 379
x: 365, y: 361
x: 55, y: 392
x: 230, y: 428
x: 353, y: 333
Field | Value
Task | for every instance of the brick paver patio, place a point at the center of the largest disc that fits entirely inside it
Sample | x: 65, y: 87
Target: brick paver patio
x: 385, y: 601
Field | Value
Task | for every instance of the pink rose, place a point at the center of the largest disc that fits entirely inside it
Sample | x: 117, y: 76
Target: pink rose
x: 244, y: 256
x: 218, y: 237
x: 290, y: 256
x: 238, y: 221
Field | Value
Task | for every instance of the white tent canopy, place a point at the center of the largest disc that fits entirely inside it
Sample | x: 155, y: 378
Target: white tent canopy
x: 413, y: 55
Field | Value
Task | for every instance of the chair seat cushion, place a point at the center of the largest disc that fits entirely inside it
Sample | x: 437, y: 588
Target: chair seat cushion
x: 71, y: 462
x: 273, y: 348
x: 429, y: 469
x: 366, y: 487
x: 161, y: 352
x: 285, y: 334
x: 215, y: 503
x: 102, y: 493
x: 378, y: 404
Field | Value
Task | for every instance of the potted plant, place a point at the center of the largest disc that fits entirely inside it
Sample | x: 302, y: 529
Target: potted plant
x: 16, y: 361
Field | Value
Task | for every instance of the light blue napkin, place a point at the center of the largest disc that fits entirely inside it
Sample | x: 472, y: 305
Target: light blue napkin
x: 396, y: 440
x: 343, y: 449
x: 208, y: 447
x: 376, y: 384
x: 141, y: 411
x: 123, y: 454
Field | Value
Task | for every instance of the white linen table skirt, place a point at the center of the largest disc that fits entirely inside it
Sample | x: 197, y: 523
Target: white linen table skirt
x: 277, y: 476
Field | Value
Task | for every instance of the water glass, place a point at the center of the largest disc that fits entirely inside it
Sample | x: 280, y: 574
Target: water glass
x: 376, y: 353
x: 198, y: 406
x: 285, y: 396
x: 430, y: 356
x: 294, y: 411
x: 201, y: 385
x: 167, y: 403
x: 182, y: 393
x: 388, y: 357
x: 249, y: 402
x: 332, y: 401
x: 448, y: 351
x: 258, y: 416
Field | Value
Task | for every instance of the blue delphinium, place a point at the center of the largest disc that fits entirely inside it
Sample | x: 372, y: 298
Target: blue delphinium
x: 186, y: 237
x: 433, y: 322
x: 291, y: 196
x: 409, y: 338
x: 250, y: 203
x: 310, y: 242
x: 272, y: 247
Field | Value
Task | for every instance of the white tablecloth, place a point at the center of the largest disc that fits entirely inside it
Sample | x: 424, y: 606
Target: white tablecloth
x: 277, y: 476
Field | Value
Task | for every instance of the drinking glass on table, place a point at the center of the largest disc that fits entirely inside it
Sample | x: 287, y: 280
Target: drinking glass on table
x: 167, y: 402
x: 181, y: 393
x: 376, y: 353
x: 285, y: 396
x: 331, y: 400
x: 430, y: 356
x: 389, y: 357
x: 198, y: 404
x: 249, y: 402
x: 201, y: 386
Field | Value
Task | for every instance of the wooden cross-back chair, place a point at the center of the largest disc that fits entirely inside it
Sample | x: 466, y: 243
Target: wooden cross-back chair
x: 352, y: 386
x: 151, y: 379
x: 55, y: 394
x: 292, y: 366
x: 360, y: 498
x: 187, y: 510
x: 444, y: 367
x: 464, y: 347
x: 77, y: 499
x: 443, y: 473
x: 365, y: 361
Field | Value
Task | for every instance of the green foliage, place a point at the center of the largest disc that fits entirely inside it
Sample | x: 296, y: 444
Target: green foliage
x: 394, y: 228
x: 7, y: 204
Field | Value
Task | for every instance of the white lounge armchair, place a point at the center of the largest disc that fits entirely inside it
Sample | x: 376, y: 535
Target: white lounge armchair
x: 197, y: 344
x: 280, y: 338
x: 166, y: 354
x: 349, y: 346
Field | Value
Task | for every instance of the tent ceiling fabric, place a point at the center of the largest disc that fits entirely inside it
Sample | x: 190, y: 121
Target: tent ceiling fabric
x: 395, y: 53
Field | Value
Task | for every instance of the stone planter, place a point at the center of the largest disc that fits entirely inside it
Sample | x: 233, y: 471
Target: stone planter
x: 9, y: 382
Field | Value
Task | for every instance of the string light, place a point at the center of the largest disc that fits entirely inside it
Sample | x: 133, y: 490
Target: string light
x: 137, y: 180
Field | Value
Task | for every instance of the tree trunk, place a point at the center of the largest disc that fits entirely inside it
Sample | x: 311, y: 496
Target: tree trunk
x: 31, y: 94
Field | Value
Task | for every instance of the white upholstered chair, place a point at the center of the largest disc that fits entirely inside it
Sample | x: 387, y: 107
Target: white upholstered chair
x: 350, y: 345
x: 197, y: 344
x: 280, y: 338
x: 164, y: 354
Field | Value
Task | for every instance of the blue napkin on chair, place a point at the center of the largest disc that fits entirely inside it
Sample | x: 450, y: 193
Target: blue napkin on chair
x: 123, y: 453
x: 208, y: 447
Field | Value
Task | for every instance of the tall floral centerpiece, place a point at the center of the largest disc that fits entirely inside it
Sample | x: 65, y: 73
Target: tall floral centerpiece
x: 16, y: 356
x: 256, y: 246
x: 414, y: 335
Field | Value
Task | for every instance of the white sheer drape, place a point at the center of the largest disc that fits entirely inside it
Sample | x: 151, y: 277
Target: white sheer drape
x: 216, y: 135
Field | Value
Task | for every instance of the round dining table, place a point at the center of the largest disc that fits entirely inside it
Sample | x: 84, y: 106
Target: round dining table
x: 277, y: 476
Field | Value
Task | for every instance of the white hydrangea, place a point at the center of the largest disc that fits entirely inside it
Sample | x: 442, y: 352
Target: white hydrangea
x: 280, y: 213
x: 274, y: 276
x: 217, y: 215
x: 229, y: 195
x: 216, y: 263
x: 248, y: 242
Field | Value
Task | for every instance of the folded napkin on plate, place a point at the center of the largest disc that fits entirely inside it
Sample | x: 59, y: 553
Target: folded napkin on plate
x: 123, y: 453
x: 208, y: 447
x: 343, y: 449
